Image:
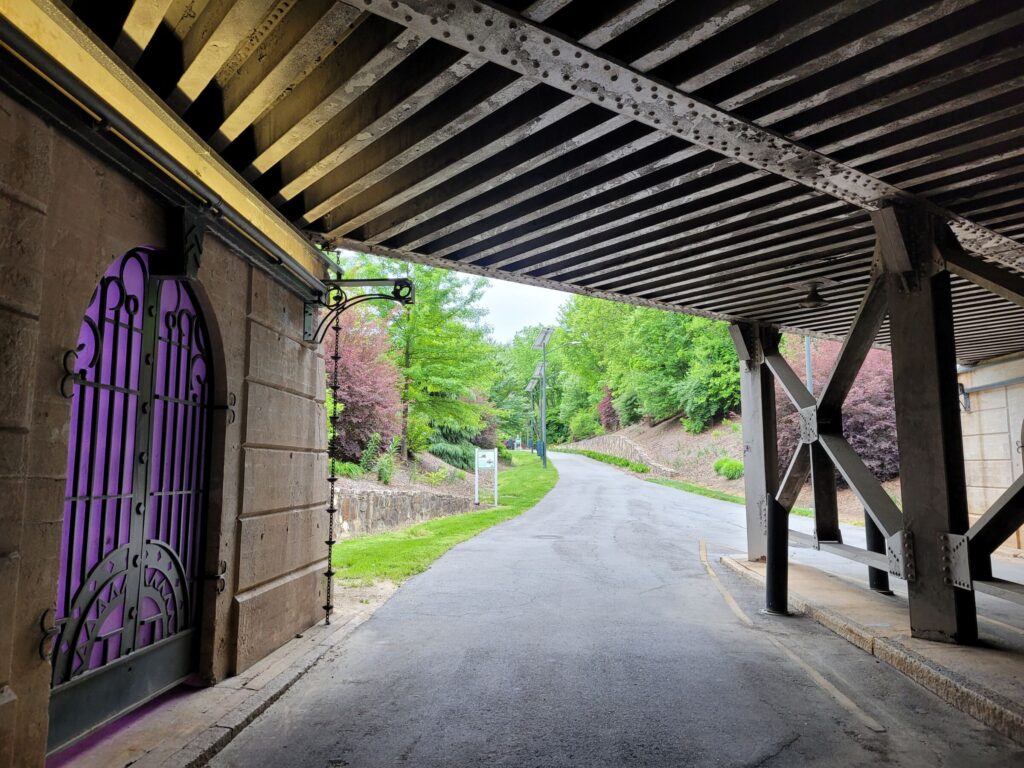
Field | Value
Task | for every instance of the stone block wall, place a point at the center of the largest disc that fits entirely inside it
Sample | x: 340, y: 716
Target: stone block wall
x: 280, y: 557
x: 374, y: 511
x: 64, y: 215
x: 621, y: 446
x: 991, y: 433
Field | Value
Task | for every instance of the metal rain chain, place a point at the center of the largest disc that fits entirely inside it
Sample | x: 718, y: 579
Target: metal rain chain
x: 337, y: 300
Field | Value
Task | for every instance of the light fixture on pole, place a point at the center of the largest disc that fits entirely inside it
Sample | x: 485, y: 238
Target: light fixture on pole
x: 530, y: 387
x: 542, y: 344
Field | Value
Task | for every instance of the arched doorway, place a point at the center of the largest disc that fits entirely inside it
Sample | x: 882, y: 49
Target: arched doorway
x: 136, y: 496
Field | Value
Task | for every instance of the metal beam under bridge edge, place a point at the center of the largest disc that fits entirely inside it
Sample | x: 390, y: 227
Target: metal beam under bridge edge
x: 932, y: 473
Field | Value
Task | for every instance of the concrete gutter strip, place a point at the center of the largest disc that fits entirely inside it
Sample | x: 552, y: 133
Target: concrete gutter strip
x: 293, y: 660
x: 992, y: 709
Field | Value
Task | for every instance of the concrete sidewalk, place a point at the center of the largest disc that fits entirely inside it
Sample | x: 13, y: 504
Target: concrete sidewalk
x: 186, y: 727
x: 985, y: 681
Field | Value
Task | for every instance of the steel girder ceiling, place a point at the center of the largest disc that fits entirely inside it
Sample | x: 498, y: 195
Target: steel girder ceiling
x: 705, y: 157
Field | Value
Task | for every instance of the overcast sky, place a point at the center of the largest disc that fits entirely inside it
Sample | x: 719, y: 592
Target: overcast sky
x: 510, y: 306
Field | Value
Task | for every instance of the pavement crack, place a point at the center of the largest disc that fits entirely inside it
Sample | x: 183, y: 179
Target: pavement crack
x: 778, y: 751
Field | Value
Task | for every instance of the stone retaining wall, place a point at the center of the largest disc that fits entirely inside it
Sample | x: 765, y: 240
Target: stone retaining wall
x: 373, y: 510
x: 621, y: 446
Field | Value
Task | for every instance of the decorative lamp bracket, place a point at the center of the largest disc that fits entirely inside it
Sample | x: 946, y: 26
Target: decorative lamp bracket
x: 337, y: 299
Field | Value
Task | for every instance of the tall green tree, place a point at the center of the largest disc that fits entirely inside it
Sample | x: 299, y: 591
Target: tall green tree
x: 441, y: 348
x: 655, y: 364
x: 515, y: 362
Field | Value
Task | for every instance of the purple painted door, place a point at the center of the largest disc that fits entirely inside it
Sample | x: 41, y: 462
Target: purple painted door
x: 135, y: 501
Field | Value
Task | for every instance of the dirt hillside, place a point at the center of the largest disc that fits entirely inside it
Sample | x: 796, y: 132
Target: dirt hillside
x: 692, y: 457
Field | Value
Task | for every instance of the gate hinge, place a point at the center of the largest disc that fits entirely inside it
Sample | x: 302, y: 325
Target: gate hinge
x: 49, y: 633
x: 218, y: 577
x: 229, y: 407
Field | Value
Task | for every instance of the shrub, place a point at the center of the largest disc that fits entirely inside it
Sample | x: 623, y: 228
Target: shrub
x: 368, y: 459
x: 711, y: 387
x: 436, y: 477
x: 729, y: 468
x: 452, y: 445
x: 583, y: 425
x: 386, y: 468
x: 488, y: 436
x: 606, y: 412
x: 504, y: 454
x: 347, y: 469
x: 367, y: 384
x: 869, y: 414
x: 418, y: 434
x: 459, y: 455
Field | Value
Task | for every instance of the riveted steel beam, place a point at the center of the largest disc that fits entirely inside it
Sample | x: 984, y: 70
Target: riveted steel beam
x: 542, y: 55
x: 865, y: 486
x: 932, y: 479
x: 795, y: 477
x: 1004, y: 517
x: 857, y: 345
x: 474, y: 269
x: 794, y: 389
x: 993, y: 278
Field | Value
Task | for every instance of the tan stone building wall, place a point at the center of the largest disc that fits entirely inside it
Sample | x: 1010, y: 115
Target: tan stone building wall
x: 64, y: 215
x: 992, y: 431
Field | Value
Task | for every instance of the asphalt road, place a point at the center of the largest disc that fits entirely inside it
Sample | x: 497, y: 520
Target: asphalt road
x: 588, y: 632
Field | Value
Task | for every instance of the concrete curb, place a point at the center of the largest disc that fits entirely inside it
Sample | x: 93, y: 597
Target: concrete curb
x: 992, y: 709
x: 295, y: 662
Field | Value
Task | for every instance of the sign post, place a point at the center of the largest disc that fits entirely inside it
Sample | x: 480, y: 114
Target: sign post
x: 486, y: 458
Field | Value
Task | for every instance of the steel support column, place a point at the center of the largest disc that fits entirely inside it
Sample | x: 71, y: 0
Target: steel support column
x: 826, y: 506
x: 760, y: 449
x: 927, y: 421
x: 878, y: 579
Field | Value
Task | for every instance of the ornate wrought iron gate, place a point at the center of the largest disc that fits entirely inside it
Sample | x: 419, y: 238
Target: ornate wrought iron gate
x: 134, y: 512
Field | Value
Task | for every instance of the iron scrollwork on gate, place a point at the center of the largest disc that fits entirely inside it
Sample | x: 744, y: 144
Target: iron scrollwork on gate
x: 139, y: 383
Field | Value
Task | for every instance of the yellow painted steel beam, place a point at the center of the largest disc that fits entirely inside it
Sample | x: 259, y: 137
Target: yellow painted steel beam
x: 45, y: 25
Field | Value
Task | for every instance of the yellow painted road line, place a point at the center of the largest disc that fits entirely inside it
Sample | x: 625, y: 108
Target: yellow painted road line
x: 841, y: 698
x: 729, y: 599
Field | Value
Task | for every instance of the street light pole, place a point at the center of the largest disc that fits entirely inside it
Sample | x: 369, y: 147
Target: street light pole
x: 542, y: 344
x: 544, y: 406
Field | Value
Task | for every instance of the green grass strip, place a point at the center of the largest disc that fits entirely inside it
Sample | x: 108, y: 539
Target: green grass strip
x: 711, y: 493
x: 397, y: 555
x: 607, y: 458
